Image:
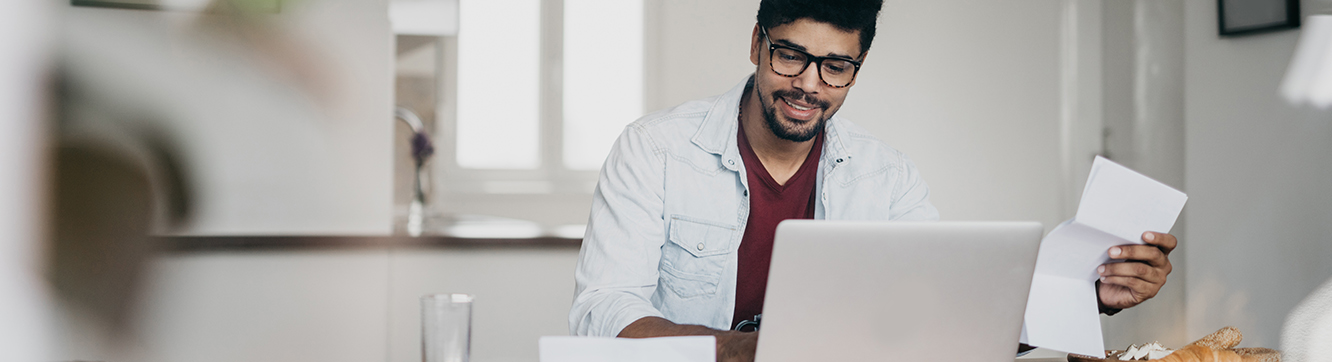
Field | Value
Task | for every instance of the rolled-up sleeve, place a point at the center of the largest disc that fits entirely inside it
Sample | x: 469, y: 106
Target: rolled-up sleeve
x: 617, y: 266
x: 911, y: 196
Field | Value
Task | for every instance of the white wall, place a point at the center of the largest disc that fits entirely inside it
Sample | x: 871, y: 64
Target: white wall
x: 695, y: 48
x: 970, y: 90
x: 1143, y: 108
x: 1258, y: 178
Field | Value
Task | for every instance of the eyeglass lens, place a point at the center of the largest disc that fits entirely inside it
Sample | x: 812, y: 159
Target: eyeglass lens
x: 790, y: 62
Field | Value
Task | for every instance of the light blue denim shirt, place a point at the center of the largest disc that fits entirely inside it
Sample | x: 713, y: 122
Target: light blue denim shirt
x: 671, y: 204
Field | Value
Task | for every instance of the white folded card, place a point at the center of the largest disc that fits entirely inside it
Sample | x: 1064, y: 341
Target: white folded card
x: 1118, y: 205
x: 606, y: 349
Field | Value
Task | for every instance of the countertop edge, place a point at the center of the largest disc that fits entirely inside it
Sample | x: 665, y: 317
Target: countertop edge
x: 190, y: 244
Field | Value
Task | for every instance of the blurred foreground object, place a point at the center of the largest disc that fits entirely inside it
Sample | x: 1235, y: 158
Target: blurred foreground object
x: 111, y: 193
x: 283, y: 120
x: 1309, y: 77
x: 1307, y: 335
x: 25, y: 322
x: 219, y: 122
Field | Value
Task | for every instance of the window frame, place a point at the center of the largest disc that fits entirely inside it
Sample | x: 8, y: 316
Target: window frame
x: 452, y: 182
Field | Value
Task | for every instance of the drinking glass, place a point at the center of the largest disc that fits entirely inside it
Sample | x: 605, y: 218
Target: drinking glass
x: 446, y: 327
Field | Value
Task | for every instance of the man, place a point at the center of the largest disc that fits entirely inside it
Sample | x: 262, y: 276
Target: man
x: 683, y: 217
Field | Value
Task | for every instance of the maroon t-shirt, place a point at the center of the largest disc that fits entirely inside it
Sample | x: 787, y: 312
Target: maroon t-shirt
x: 769, y: 204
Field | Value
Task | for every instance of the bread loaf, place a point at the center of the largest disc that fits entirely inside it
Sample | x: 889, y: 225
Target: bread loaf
x: 1258, y: 354
x: 1224, y: 338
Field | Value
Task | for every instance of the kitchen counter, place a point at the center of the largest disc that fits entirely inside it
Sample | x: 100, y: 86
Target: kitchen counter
x: 189, y: 244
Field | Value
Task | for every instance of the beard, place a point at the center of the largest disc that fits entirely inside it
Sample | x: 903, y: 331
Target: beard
x: 790, y: 130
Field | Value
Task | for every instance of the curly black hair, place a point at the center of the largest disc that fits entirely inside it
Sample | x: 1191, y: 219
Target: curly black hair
x: 848, y: 15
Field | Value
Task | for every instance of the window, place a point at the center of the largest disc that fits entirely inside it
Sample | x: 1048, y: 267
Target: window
x: 499, y: 44
x: 543, y: 88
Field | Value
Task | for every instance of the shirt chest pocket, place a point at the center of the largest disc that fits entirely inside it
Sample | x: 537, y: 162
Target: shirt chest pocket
x: 696, y: 255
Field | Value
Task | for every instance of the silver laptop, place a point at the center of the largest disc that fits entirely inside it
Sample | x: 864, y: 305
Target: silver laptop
x: 879, y: 291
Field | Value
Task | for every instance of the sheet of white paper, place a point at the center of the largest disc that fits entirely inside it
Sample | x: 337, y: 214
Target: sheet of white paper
x: 1117, y: 206
x: 1074, y: 250
x: 1061, y: 309
x: 1064, y: 316
x: 605, y: 349
x: 1125, y: 203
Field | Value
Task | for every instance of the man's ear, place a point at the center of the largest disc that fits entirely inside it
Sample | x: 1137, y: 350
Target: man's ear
x: 755, y: 43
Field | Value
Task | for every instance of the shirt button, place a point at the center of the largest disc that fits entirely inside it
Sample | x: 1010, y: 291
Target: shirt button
x: 700, y: 246
x: 839, y: 160
x: 825, y: 196
x: 730, y: 162
x: 746, y: 192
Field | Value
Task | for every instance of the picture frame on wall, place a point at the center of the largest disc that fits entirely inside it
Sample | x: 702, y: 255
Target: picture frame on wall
x: 1244, y: 17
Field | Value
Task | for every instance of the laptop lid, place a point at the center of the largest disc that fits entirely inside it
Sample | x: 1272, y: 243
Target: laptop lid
x: 861, y: 291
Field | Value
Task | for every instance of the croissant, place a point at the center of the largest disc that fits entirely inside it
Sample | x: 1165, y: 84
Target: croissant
x: 1198, y: 353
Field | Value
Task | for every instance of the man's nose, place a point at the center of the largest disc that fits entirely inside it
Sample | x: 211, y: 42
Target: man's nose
x: 808, y: 79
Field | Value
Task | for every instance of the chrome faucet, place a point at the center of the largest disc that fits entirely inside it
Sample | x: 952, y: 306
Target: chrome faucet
x: 422, y: 149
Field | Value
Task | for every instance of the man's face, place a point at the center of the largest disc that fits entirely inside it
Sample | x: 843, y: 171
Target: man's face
x: 795, y: 108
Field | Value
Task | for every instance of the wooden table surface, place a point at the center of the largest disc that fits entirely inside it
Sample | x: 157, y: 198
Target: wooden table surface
x: 1044, y: 355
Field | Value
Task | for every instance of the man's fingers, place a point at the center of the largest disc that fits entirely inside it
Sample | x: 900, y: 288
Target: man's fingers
x: 1140, y: 287
x: 1146, y: 253
x: 1166, y: 242
x: 1132, y: 270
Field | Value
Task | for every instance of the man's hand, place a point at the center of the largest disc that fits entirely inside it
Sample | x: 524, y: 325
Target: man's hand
x: 732, y: 346
x: 736, y: 346
x: 1141, y: 276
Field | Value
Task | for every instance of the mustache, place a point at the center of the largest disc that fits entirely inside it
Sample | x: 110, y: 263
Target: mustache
x: 799, y: 96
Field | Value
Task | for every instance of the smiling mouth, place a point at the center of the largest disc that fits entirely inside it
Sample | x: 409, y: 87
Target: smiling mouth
x: 797, y: 111
x: 797, y: 107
